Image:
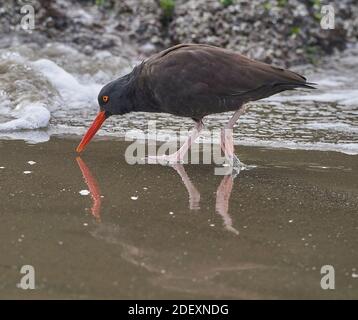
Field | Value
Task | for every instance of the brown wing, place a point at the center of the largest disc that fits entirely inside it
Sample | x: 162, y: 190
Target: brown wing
x: 201, y: 79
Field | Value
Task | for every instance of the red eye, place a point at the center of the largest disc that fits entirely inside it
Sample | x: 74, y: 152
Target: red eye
x: 105, y: 99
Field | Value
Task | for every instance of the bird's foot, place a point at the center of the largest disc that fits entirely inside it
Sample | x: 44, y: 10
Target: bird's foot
x: 234, y: 162
x: 166, y: 160
x: 236, y: 165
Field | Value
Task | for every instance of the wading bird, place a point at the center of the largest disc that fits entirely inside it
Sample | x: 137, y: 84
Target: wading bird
x: 193, y: 80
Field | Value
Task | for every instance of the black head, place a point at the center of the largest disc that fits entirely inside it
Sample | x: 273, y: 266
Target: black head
x: 114, y: 98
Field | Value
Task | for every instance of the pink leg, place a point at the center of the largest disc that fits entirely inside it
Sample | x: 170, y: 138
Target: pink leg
x: 227, y: 140
x: 178, y: 157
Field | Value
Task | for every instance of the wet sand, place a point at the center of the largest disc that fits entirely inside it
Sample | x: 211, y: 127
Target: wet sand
x: 151, y: 231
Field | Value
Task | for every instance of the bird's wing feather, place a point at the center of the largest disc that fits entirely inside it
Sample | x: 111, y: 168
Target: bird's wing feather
x: 193, y: 71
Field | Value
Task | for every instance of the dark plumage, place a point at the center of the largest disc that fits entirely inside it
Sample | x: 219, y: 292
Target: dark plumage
x: 195, y: 80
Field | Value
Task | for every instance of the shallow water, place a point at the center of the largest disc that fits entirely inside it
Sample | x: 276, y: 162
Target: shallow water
x: 52, y: 91
x: 97, y: 227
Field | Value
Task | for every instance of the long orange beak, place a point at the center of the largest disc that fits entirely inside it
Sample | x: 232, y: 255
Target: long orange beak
x: 96, y: 125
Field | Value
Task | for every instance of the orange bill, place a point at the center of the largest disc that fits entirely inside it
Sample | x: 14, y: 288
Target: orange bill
x: 96, y: 125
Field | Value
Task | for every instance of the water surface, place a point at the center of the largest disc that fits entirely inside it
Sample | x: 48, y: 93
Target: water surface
x: 96, y: 227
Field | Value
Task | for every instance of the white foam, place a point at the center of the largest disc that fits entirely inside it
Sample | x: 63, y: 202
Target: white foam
x: 29, y: 117
x: 5, y: 103
x: 73, y: 93
x: 30, y: 136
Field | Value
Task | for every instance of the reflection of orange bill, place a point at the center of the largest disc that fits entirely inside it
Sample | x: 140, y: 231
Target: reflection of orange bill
x: 93, y: 188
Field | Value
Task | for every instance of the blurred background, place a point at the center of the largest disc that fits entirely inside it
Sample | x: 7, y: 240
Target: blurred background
x: 284, y: 32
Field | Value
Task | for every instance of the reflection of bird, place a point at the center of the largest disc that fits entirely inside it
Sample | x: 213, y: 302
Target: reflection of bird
x: 223, y: 194
x: 194, y: 194
x: 166, y: 265
x: 93, y: 188
x: 193, y: 80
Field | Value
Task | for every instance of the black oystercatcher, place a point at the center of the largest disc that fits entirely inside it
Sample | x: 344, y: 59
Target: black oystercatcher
x: 193, y: 80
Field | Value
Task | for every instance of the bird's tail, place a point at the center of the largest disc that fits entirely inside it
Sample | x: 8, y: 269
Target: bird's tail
x: 294, y: 85
x: 269, y: 90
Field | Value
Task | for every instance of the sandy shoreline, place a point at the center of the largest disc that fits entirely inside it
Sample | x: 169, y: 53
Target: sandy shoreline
x: 146, y: 238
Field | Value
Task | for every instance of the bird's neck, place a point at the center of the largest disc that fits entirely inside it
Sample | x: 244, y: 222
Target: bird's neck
x: 140, y: 93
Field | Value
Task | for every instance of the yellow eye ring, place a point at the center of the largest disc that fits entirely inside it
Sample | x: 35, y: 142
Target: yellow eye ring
x: 105, y: 99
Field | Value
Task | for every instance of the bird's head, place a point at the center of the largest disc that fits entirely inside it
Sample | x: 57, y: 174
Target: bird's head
x: 112, y: 100
x: 113, y: 97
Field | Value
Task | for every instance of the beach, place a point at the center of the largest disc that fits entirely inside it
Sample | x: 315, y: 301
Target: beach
x: 97, y: 227
x: 104, y: 223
